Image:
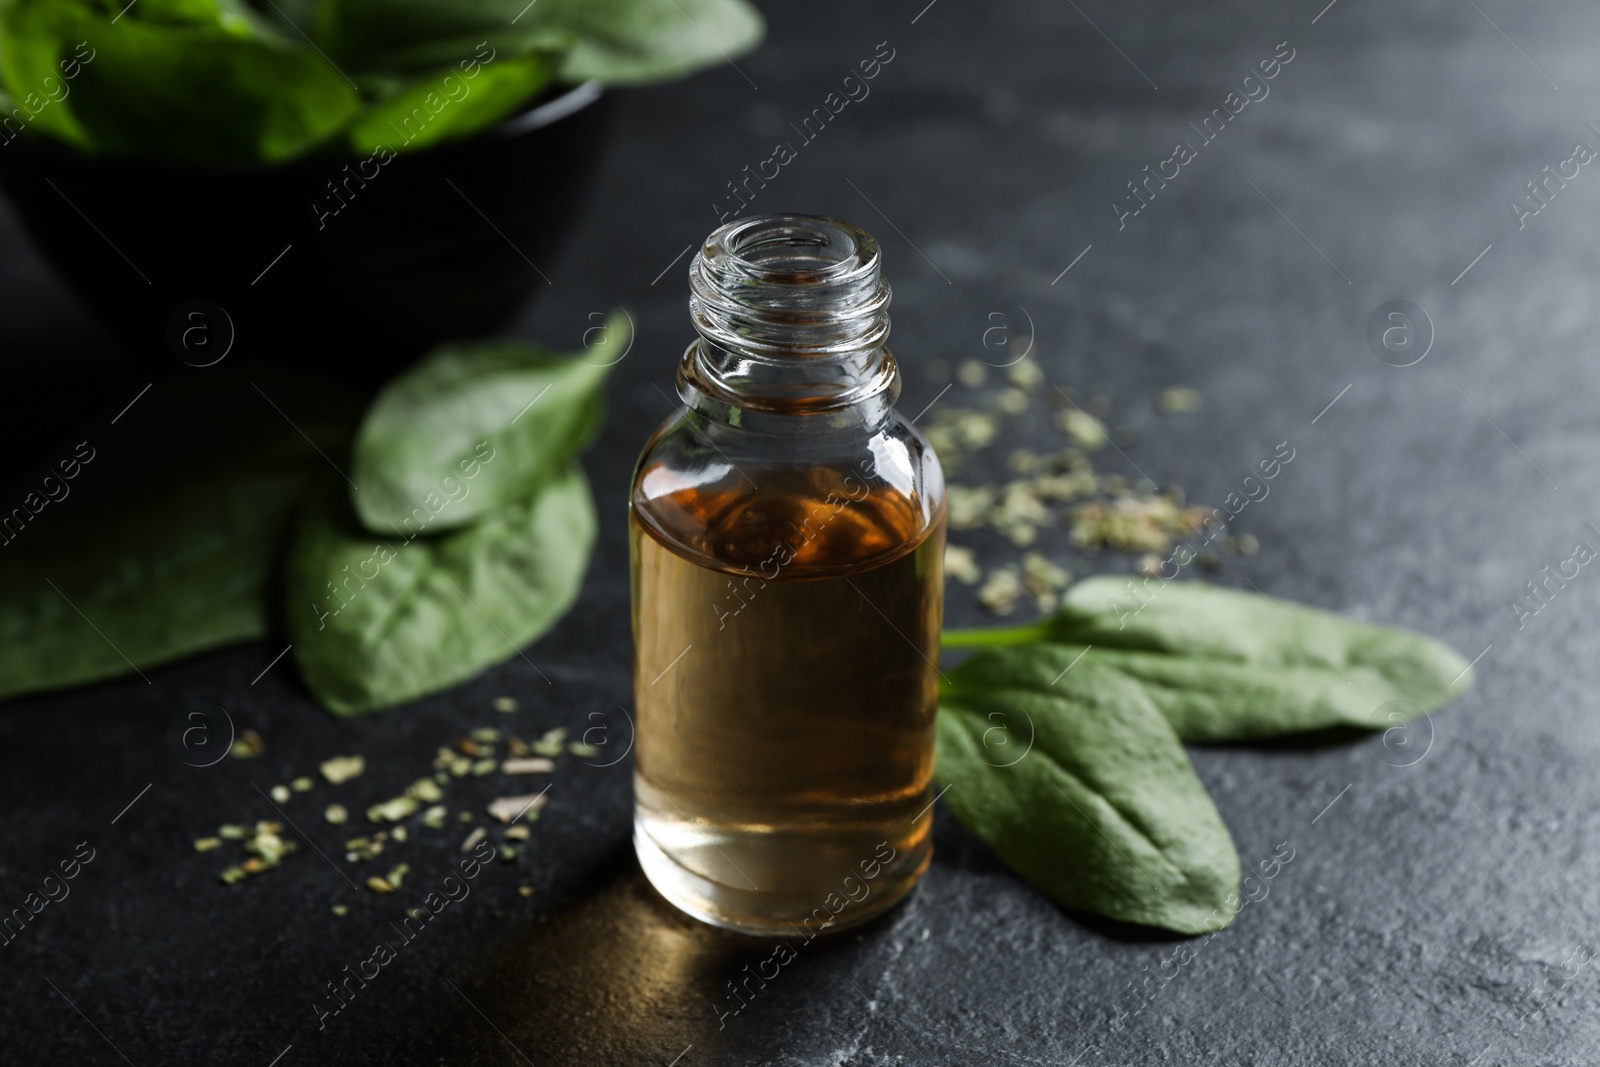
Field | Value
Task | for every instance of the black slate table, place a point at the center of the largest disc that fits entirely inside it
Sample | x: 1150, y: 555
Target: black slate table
x: 1438, y: 909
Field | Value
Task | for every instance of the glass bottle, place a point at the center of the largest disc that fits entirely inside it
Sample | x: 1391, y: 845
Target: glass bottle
x: 786, y: 529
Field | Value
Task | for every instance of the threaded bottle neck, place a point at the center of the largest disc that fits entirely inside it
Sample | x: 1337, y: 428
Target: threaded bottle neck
x: 792, y: 312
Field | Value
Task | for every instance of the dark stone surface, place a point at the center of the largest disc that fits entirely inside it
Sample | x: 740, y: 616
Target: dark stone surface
x: 1429, y: 909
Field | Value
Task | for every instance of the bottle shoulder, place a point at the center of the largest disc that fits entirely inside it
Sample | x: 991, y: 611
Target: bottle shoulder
x: 816, y: 504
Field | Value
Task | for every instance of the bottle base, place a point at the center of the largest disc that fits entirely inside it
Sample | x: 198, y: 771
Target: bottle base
x: 856, y: 898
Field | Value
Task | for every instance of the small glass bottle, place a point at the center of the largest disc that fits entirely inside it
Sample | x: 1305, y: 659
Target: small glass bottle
x: 787, y: 537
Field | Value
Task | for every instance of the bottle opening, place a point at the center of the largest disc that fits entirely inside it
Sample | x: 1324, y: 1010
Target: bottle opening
x: 792, y: 312
x: 790, y: 284
x: 796, y: 249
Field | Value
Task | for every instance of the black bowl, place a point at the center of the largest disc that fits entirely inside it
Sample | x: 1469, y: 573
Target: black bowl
x: 358, y: 268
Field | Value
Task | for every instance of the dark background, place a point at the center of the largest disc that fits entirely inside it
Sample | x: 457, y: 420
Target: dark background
x: 1435, y: 913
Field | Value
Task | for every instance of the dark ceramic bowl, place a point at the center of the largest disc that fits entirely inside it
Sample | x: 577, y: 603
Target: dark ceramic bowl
x: 439, y: 243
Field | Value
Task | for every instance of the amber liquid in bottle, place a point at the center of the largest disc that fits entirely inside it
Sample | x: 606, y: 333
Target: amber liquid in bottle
x: 786, y: 643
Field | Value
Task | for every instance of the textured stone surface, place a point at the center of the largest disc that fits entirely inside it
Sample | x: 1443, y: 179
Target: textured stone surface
x: 1429, y: 909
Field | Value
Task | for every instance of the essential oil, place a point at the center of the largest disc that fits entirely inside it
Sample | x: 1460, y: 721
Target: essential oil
x: 787, y: 538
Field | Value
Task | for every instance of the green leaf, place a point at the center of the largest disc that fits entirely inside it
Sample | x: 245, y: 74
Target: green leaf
x: 221, y: 81
x: 411, y: 35
x: 376, y: 622
x: 1208, y: 701
x: 1077, y: 781
x: 475, y: 427
x: 41, y: 44
x: 164, y: 583
x: 616, y: 41
x: 478, y: 50
x: 163, y: 541
x: 626, y: 42
x: 446, y: 106
x: 1227, y: 665
x: 187, y: 80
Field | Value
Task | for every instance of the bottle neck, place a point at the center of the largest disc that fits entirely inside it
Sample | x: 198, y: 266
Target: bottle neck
x: 792, y: 313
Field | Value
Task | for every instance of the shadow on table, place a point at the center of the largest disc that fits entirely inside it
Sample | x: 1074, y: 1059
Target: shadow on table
x: 615, y: 975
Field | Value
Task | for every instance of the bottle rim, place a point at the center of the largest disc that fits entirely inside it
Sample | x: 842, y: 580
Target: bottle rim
x: 792, y: 312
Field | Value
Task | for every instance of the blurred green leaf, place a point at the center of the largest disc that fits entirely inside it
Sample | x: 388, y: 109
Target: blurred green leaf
x: 163, y: 543
x: 627, y: 42
x: 184, y: 80
x: 219, y: 81
x: 616, y: 41
x: 442, y: 107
